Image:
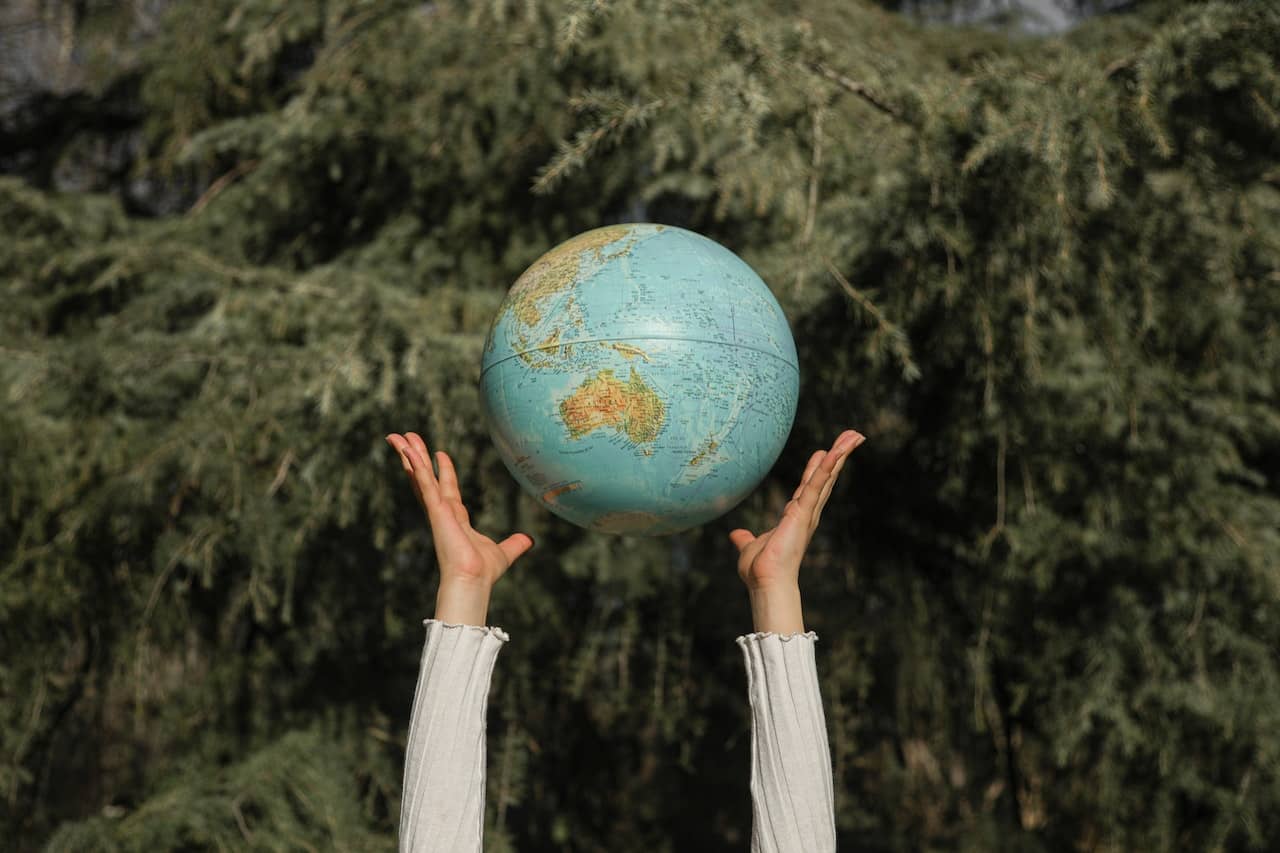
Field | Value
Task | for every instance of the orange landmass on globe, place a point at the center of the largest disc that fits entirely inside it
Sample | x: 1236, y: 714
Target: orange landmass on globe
x: 626, y: 521
x: 603, y: 400
x: 556, y: 271
x: 628, y: 351
x: 542, y: 355
x: 550, y: 495
x: 706, y: 450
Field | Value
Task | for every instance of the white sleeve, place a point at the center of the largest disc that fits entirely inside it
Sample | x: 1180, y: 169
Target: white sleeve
x: 793, y: 803
x: 442, y: 805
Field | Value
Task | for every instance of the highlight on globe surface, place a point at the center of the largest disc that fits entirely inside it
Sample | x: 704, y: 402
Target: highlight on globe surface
x: 639, y: 379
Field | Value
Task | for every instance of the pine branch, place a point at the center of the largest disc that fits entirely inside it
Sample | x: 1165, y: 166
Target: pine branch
x: 862, y: 90
x: 897, y: 338
x: 574, y: 155
x: 222, y: 183
x: 811, y: 211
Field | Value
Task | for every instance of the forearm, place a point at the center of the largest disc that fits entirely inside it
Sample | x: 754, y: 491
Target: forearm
x: 462, y: 603
x: 442, y: 809
x: 791, y: 778
x: 777, y: 609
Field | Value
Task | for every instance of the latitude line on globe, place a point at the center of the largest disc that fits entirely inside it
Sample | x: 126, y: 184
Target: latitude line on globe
x: 560, y: 344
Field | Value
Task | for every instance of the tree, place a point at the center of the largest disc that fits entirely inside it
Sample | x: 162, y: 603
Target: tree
x: 1039, y: 274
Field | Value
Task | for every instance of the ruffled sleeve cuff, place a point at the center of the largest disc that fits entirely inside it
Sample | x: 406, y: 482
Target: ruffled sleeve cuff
x: 436, y: 628
x: 762, y: 635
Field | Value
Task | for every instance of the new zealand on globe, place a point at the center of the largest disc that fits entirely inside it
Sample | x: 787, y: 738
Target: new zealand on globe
x: 639, y: 379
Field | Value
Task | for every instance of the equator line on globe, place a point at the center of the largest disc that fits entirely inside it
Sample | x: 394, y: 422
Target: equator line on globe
x: 639, y: 379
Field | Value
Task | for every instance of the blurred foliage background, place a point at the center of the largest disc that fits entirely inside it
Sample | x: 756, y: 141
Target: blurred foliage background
x: 242, y: 240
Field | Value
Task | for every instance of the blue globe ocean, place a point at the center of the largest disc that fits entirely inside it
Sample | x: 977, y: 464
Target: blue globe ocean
x: 639, y: 379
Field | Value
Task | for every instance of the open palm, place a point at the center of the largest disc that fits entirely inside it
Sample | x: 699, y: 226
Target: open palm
x: 463, y: 552
x: 774, y: 556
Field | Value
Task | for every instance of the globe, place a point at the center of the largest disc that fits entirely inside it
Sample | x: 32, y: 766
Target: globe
x: 639, y: 379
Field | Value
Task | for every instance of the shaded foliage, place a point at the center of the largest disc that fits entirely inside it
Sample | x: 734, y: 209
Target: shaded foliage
x: 1040, y: 275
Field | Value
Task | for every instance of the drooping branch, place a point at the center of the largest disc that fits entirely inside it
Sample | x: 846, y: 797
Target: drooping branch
x: 860, y: 89
x: 897, y: 338
x: 222, y: 183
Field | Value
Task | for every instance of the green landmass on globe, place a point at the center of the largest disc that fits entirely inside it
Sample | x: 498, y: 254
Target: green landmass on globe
x: 640, y: 379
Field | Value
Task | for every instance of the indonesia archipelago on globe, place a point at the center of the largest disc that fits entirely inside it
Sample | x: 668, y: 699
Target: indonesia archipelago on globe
x: 639, y: 379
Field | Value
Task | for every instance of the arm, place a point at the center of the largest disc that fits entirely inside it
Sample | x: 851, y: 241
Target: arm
x: 442, y: 806
x: 793, y: 805
x: 444, y: 770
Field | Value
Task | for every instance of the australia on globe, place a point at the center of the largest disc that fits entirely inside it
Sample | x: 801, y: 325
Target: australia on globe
x: 639, y: 379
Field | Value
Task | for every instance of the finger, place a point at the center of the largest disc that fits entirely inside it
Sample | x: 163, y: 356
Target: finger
x: 421, y: 459
x: 449, y: 488
x: 809, y: 468
x: 397, y: 443
x: 847, y: 440
x: 815, y: 462
x: 448, y: 478
x: 835, y: 474
x: 847, y: 446
x: 515, y: 546
x: 415, y: 441
x: 425, y: 482
x: 401, y: 447
x: 827, y: 487
x: 807, y: 500
x: 741, y: 538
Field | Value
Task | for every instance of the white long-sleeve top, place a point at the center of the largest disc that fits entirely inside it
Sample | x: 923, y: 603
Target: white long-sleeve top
x: 442, y: 809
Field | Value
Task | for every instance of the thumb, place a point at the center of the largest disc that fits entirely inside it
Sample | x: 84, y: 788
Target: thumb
x: 741, y: 538
x: 515, y: 545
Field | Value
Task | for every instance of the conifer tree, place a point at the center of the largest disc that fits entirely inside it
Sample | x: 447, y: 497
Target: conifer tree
x: 1039, y: 274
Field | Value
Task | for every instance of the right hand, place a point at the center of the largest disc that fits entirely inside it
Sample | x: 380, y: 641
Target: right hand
x: 465, y: 555
x: 772, y: 559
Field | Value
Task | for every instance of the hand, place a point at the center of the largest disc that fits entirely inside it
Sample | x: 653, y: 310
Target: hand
x: 466, y: 556
x: 772, y: 559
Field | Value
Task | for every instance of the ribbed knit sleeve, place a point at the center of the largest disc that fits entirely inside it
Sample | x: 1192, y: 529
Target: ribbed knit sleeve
x: 442, y: 808
x: 793, y: 803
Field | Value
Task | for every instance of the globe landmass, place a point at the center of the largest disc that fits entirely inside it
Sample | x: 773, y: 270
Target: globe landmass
x: 631, y: 407
x: 639, y: 379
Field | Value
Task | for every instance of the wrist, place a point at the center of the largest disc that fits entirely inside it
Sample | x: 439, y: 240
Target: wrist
x: 463, y: 602
x: 777, y: 608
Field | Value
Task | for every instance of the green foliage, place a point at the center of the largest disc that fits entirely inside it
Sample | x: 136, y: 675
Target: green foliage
x: 299, y: 789
x: 1040, y: 275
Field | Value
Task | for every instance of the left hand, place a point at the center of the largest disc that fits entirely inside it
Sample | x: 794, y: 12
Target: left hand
x: 772, y: 559
x: 466, y: 556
